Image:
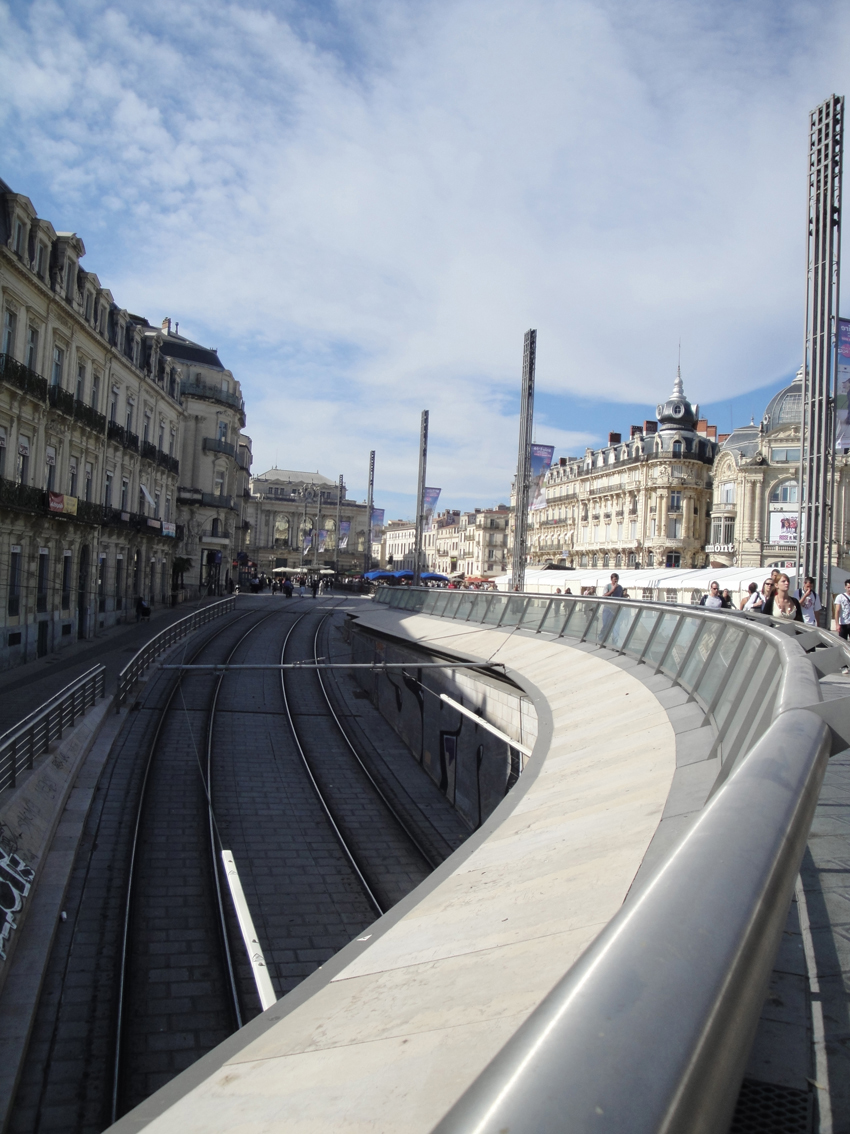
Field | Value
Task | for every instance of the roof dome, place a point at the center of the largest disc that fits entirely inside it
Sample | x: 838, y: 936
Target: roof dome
x: 677, y: 412
x: 785, y: 408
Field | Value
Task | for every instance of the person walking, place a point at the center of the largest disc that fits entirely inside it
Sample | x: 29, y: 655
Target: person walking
x: 782, y: 603
x: 712, y: 599
x: 752, y: 600
x: 726, y: 599
x: 842, y: 612
x: 809, y: 601
x: 614, y: 590
x: 314, y: 585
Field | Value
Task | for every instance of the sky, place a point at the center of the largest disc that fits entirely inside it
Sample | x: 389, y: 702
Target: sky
x: 364, y: 206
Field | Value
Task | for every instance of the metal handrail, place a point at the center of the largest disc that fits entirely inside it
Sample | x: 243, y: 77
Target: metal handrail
x: 166, y: 638
x: 21, y: 746
x: 650, y: 1029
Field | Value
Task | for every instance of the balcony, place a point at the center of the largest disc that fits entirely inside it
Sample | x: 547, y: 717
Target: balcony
x: 149, y: 451
x: 22, y: 497
x: 15, y: 374
x: 167, y: 462
x: 61, y: 400
x: 116, y: 432
x: 131, y: 441
x: 89, y: 416
x: 212, y: 445
x: 214, y: 393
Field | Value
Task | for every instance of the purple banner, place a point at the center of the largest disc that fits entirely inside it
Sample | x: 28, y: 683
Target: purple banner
x: 308, y: 540
x: 344, y: 529
x: 323, y: 538
x: 842, y: 388
x: 541, y: 461
x: 429, y: 504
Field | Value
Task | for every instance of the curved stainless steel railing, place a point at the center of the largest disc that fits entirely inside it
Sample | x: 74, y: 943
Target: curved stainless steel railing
x: 651, y: 1028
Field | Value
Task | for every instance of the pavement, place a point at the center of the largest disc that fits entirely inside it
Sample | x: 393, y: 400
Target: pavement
x: 26, y: 687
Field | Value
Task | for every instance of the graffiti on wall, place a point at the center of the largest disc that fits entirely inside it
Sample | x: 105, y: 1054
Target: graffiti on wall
x: 16, y: 880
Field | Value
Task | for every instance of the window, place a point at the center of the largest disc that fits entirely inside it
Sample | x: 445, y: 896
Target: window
x: 652, y: 528
x: 784, y: 493
x: 675, y: 502
x: 674, y: 528
x: 58, y: 366
x: 113, y: 404
x: 620, y: 530
x: 156, y: 505
x: 171, y: 443
x: 219, y: 483
x: 146, y: 433
x: 633, y: 529
x: 66, y: 580
x: 632, y: 559
x: 101, y: 583
x: 781, y: 455
x: 140, y: 507
x: 89, y: 301
x: 19, y: 238
x: 160, y: 443
x: 10, y: 322
x: 81, y: 381
x: 677, y: 470
x: 32, y: 348
x: 69, y: 279
x: 41, y: 581
x: 39, y: 261
x: 222, y: 431
x: 728, y: 529
x: 95, y: 390
x: 674, y: 559
x: 167, y: 508
x: 129, y: 420
x: 15, y: 580
x: 650, y: 559
x: 727, y: 492
x: 677, y: 452
x: 50, y: 461
x: 107, y: 491
x: 72, y: 476
x: 23, y: 470
x: 216, y: 527
x: 89, y: 472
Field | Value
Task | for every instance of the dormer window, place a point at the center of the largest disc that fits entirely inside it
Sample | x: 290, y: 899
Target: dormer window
x: 19, y: 238
x: 69, y: 280
x: 89, y: 302
x: 677, y: 448
x: 39, y: 261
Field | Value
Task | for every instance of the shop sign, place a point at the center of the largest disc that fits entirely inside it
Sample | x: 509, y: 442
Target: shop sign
x: 169, y: 528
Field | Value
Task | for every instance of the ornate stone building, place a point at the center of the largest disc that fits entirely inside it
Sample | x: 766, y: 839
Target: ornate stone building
x: 643, y: 502
x: 90, y: 429
x: 303, y: 519
x: 756, y: 491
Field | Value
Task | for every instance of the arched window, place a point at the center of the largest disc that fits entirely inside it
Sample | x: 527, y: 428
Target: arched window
x: 216, y: 526
x: 784, y: 493
x: 594, y: 561
x: 606, y: 561
x: 677, y: 448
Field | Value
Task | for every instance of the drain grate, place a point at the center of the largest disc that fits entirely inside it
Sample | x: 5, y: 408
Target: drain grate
x: 764, y: 1108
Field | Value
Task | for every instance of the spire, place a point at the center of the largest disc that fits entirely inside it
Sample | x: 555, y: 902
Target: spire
x: 678, y: 388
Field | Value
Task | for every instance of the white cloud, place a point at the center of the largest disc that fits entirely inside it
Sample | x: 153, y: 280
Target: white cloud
x: 365, y: 206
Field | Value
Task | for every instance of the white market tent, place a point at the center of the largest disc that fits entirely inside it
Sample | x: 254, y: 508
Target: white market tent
x: 664, y: 584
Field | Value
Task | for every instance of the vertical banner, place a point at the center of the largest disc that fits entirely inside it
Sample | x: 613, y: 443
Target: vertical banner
x: 377, y: 524
x: 344, y: 529
x: 842, y: 388
x: 541, y: 462
x: 429, y: 503
x: 323, y: 538
x: 308, y: 540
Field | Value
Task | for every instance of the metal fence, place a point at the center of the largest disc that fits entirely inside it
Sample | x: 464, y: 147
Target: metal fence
x: 134, y: 669
x: 23, y: 744
x: 650, y: 1029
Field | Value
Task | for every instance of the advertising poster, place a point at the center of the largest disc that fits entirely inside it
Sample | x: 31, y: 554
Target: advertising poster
x: 429, y: 504
x: 842, y: 388
x: 323, y: 539
x: 377, y: 523
x: 541, y: 462
x: 783, y: 527
x: 308, y: 540
x: 344, y: 529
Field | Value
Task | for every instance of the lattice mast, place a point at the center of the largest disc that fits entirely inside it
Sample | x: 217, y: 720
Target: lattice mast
x: 823, y: 263
x: 370, y: 499
x: 338, y: 520
x: 523, y: 467
x: 420, y: 498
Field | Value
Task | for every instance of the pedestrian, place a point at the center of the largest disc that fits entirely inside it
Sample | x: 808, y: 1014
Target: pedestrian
x: 712, y: 599
x: 314, y: 585
x: 302, y: 589
x: 614, y: 590
x: 809, y: 601
x: 842, y: 612
x: 140, y: 607
x: 287, y: 588
x: 726, y: 599
x: 782, y: 603
x: 753, y: 599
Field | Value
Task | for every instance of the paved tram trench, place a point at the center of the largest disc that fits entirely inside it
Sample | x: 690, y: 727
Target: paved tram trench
x: 303, y: 894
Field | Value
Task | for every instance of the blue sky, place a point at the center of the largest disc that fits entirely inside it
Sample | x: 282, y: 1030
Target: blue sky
x: 364, y: 205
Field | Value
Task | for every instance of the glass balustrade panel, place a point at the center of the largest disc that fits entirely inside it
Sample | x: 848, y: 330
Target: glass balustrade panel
x: 534, y: 612
x: 699, y: 655
x: 514, y: 610
x: 679, y: 649
x: 555, y: 616
x: 718, y: 666
x: 661, y: 638
x: 495, y: 609
x: 740, y: 678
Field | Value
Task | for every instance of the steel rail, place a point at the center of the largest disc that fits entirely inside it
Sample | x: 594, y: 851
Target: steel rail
x: 117, y: 1065
x: 215, y: 850
x: 324, y: 804
x: 378, y: 790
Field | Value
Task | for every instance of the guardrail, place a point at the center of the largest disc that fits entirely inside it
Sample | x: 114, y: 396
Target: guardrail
x: 650, y: 1029
x: 23, y: 744
x: 137, y: 665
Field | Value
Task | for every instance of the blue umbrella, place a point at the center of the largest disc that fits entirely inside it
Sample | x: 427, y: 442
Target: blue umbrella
x: 428, y: 575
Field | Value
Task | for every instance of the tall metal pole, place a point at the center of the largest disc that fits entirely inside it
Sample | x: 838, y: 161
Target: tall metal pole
x: 370, y: 496
x: 523, y: 467
x: 420, y: 502
x: 316, y: 529
x: 823, y: 264
x: 338, y: 517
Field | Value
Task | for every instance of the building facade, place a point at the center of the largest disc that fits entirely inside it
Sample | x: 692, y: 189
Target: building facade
x: 643, y: 502
x: 756, y: 491
x: 90, y: 428
x: 302, y: 519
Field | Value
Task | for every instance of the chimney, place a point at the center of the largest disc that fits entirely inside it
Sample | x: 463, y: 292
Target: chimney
x: 635, y: 431
x: 711, y: 432
x: 562, y: 461
x: 166, y: 326
x: 702, y: 426
x: 614, y: 438
x: 723, y: 437
x: 650, y: 427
